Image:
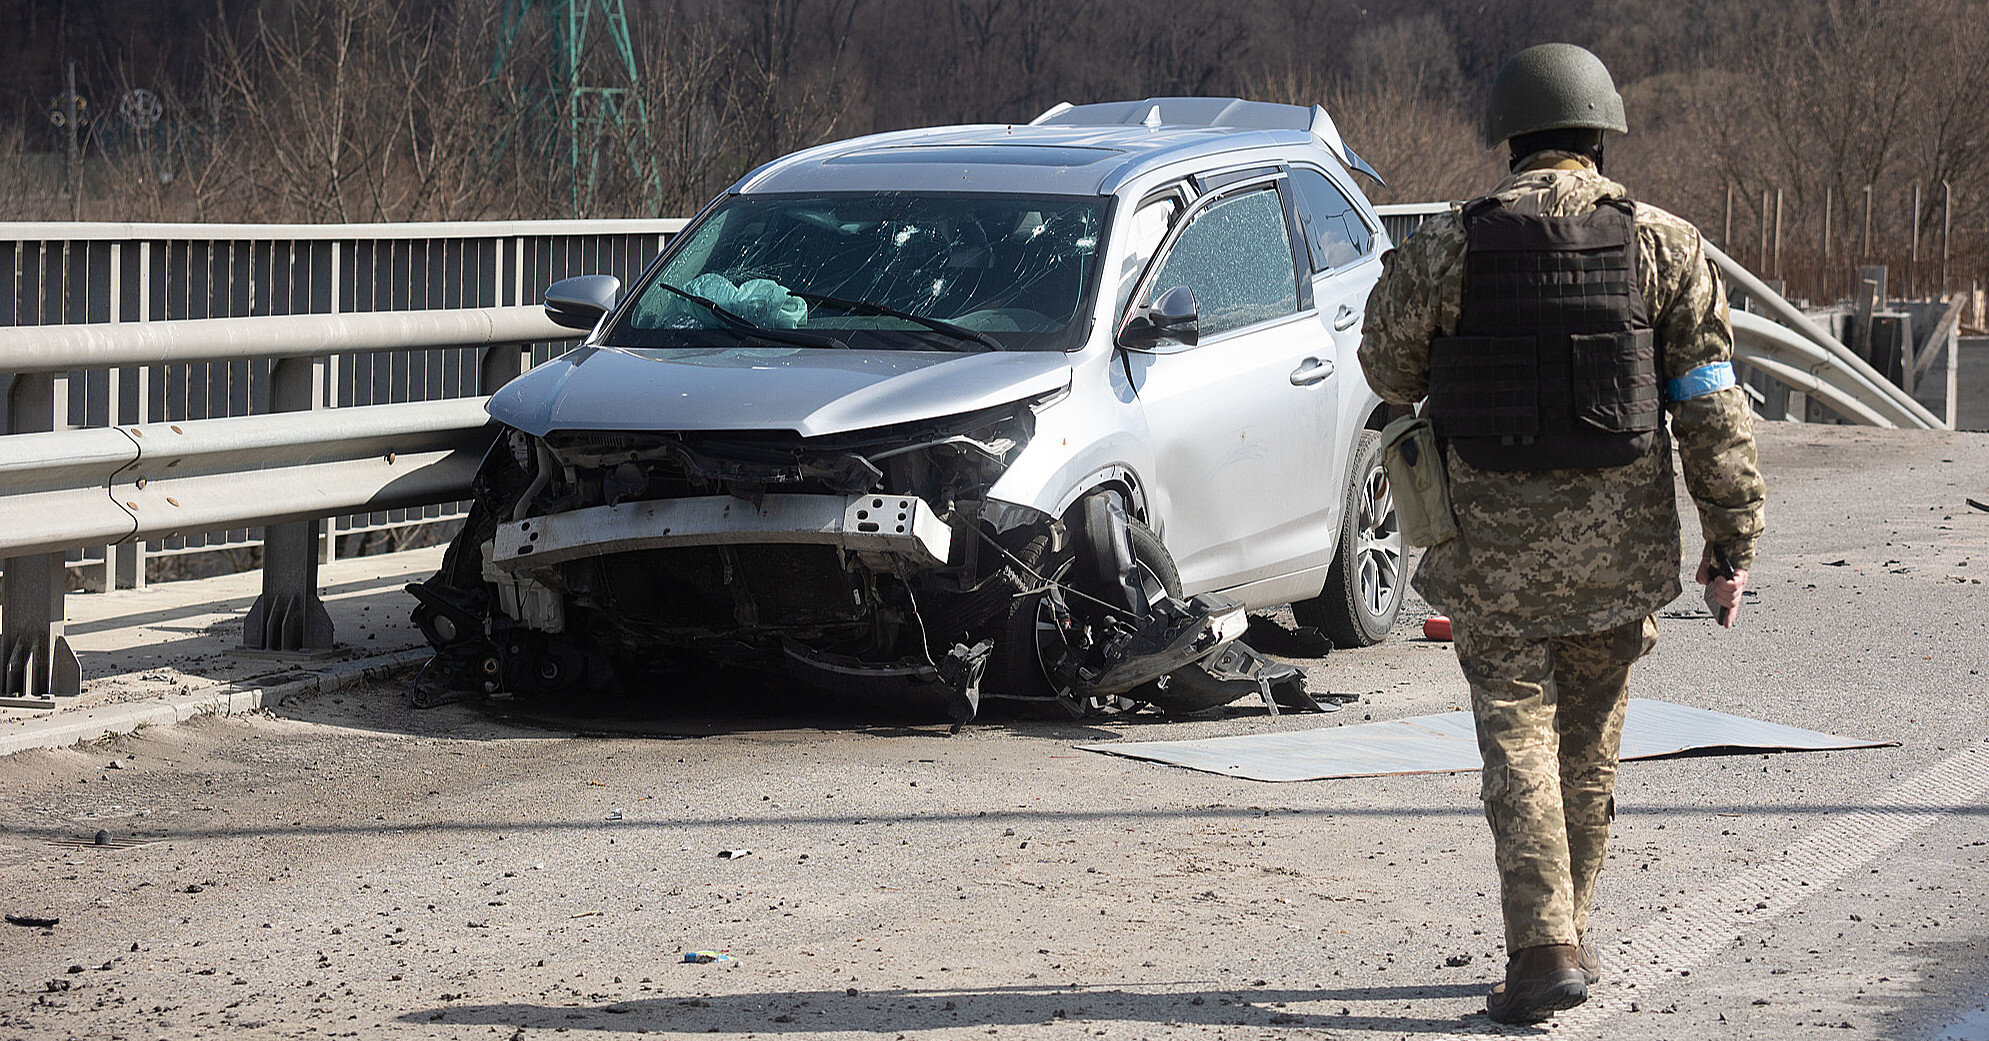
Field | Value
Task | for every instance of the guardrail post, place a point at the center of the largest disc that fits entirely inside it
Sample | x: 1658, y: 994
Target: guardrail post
x: 36, y: 664
x: 500, y: 365
x: 289, y: 616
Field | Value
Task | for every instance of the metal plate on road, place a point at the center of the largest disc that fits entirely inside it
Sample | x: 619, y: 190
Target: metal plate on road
x: 1447, y: 743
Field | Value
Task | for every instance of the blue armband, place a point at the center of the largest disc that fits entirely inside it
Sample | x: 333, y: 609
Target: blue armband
x: 1704, y: 380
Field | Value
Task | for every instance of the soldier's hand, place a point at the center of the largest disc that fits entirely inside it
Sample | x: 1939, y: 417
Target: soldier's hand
x: 1724, y: 591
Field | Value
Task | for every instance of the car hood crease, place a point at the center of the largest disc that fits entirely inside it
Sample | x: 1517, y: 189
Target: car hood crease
x: 809, y: 391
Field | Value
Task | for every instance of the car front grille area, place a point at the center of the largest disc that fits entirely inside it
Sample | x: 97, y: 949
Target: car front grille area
x: 695, y: 594
x: 611, y: 467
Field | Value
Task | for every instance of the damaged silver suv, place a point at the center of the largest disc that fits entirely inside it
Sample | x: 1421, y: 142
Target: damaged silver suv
x: 1032, y: 413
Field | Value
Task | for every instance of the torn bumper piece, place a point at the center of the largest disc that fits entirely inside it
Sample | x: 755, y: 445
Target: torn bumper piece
x: 892, y: 526
x: 952, y: 687
x: 1176, y: 633
x: 1235, y: 671
x: 1188, y: 657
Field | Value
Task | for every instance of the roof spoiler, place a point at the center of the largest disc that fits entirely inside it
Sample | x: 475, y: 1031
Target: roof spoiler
x: 1324, y: 129
x: 1211, y: 112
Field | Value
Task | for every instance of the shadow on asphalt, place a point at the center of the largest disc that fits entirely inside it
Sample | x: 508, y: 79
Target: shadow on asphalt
x: 809, y: 1012
x: 385, y: 709
x: 708, y: 705
x: 1950, y: 977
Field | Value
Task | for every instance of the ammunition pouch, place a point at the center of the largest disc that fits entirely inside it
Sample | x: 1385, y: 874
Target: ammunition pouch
x: 1417, y: 479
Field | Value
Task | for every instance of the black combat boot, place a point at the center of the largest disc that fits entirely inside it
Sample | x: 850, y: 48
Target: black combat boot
x: 1540, y: 981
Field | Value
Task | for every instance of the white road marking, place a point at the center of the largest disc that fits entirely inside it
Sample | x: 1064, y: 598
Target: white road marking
x: 1720, y: 917
x: 1723, y: 916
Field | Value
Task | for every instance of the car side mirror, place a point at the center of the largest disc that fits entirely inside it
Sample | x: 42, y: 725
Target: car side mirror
x: 1171, y: 317
x: 579, y: 303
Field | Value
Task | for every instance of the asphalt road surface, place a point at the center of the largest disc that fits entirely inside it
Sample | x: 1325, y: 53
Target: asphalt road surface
x: 347, y: 867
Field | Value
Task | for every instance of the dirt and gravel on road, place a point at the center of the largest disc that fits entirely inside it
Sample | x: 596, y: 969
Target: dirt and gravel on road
x: 349, y: 867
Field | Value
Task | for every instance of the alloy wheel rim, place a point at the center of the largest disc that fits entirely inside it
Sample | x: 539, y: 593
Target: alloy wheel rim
x: 1378, y: 544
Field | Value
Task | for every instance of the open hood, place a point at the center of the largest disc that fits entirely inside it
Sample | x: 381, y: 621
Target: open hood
x: 811, y: 391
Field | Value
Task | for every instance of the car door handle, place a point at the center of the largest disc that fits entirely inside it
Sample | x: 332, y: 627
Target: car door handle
x: 1311, y: 371
x: 1344, y: 318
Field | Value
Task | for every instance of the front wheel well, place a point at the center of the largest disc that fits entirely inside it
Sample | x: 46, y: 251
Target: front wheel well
x: 1118, y: 480
x: 1384, y: 413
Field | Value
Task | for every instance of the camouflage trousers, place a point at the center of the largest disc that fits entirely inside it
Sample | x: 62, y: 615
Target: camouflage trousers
x: 1550, y: 718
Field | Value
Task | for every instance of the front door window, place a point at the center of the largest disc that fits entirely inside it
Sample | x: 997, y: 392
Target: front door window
x: 1236, y: 257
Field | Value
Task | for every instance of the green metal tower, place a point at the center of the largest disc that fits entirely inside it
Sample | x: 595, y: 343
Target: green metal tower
x: 589, y: 103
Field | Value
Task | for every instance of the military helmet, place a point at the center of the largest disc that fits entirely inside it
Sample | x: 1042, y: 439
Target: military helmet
x: 1553, y: 86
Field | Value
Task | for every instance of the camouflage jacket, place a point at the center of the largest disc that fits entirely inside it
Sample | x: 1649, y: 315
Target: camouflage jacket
x: 1564, y: 552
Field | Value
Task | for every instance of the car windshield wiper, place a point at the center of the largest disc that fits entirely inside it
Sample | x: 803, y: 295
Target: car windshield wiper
x: 794, y: 337
x: 938, y: 325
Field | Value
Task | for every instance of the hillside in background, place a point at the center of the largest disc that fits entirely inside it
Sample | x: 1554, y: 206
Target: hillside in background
x: 1766, y: 121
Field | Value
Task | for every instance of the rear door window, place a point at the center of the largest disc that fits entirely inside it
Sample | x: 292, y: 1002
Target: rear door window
x: 1335, y: 235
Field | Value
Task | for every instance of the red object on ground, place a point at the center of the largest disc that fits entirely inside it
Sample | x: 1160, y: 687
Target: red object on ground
x: 1436, y: 628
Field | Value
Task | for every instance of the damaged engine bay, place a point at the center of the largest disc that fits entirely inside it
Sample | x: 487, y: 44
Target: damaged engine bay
x: 869, y: 565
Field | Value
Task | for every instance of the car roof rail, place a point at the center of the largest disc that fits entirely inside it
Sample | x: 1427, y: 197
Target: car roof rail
x: 1233, y: 113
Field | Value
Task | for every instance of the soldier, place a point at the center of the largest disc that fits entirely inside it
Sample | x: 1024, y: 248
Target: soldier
x: 1550, y: 324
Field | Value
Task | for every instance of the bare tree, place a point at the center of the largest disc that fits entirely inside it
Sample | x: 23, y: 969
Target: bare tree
x: 1395, y: 99
x: 694, y: 132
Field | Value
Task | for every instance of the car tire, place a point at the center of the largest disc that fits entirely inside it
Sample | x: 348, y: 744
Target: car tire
x: 1021, y: 666
x: 1364, y: 586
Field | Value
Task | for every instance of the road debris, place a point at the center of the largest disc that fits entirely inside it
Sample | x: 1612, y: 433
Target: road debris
x: 734, y: 854
x: 1273, y: 637
x: 32, y: 921
x: 1978, y: 504
x: 1232, y: 672
x: 708, y: 958
x: 1436, y: 627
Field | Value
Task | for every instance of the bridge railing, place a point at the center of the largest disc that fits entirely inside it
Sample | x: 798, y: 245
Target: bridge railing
x: 145, y: 365
x: 160, y: 351
x: 1780, y: 343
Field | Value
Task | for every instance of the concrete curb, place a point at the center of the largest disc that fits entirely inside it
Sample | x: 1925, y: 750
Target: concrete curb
x: 218, y: 699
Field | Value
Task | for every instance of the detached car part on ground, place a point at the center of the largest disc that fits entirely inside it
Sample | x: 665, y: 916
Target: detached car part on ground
x: 1031, y: 413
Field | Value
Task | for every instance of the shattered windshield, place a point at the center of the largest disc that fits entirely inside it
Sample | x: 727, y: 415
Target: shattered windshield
x: 895, y: 270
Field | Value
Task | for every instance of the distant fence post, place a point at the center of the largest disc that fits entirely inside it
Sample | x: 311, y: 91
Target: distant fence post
x: 36, y: 664
x: 289, y: 616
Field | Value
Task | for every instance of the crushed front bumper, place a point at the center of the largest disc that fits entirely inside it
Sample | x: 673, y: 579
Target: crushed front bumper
x: 887, y: 526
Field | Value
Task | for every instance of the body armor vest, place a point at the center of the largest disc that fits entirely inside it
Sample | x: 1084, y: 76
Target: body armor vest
x: 1553, y: 364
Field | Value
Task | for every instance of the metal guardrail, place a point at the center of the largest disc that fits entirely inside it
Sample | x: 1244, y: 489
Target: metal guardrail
x: 142, y: 367
x: 1402, y: 219
x: 121, y: 485
x: 134, y: 475
x: 1839, y: 365
x: 110, y: 273
x: 1790, y: 349
x: 63, y: 348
